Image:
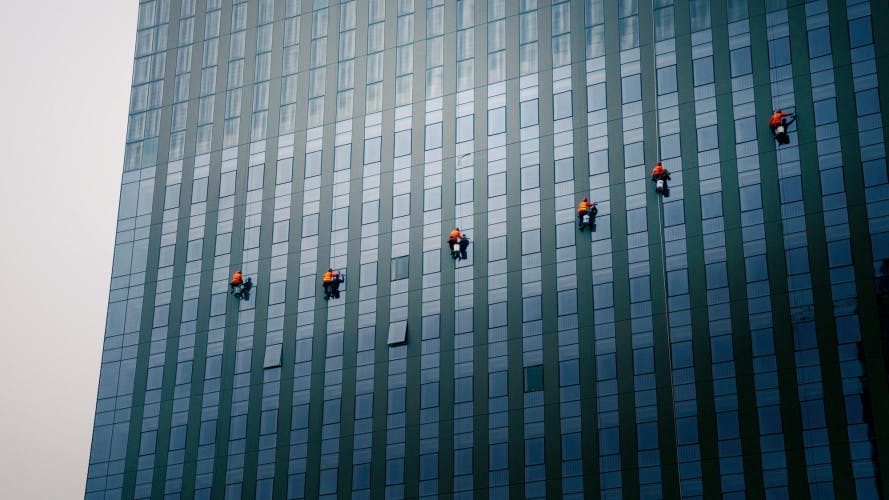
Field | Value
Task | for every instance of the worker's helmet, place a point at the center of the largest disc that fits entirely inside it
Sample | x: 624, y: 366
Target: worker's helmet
x: 330, y: 269
x: 585, y: 199
x: 456, y: 228
x: 238, y: 271
x: 777, y: 111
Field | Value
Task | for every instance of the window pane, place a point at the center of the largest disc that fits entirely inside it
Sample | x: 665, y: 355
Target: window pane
x: 711, y: 205
x: 819, y: 42
x: 631, y: 89
x: 401, y: 205
x: 497, y: 248
x: 740, y: 60
x: 497, y: 121
x: 629, y: 32
x: 400, y: 267
x: 564, y: 170
x: 529, y: 113
x: 496, y: 184
x: 825, y: 111
x: 562, y: 105
x: 465, y: 126
x: 596, y: 97
x: 402, y: 143
x: 533, y: 378
x: 433, y: 136
x: 860, y: 32
x: 666, y: 80
x: 530, y: 241
x: 703, y: 69
x: 531, y: 177
x: 313, y: 164
x: 497, y: 384
x: 779, y: 52
x: 464, y: 191
x: 397, y: 333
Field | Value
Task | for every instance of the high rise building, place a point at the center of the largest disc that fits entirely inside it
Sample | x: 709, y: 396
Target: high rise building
x: 729, y: 338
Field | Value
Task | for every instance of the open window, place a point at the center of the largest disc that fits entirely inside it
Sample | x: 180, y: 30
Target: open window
x: 534, y: 378
x: 400, y: 267
x: 272, y: 356
x: 397, y: 333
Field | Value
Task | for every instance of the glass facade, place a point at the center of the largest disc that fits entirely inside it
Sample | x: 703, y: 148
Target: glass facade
x: 728, y: 340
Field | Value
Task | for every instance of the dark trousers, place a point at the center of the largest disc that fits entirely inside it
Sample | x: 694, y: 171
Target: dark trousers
x: 783, y: 137
x: 332, y: 289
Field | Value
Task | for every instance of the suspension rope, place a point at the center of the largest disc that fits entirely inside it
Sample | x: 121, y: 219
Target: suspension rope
x: 657, y: 133
x: 662, y: 246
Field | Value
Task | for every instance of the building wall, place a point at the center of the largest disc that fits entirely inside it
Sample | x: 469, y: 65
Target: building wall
x: 729, y: 339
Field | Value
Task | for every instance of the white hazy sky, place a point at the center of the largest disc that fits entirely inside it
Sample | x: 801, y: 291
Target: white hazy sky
x: 65, y: 70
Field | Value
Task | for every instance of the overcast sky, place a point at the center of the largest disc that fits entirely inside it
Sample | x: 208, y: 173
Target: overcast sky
x: 65, y: 71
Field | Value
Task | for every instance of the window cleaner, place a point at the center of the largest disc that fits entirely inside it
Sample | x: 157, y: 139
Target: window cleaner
x: 331, y: 283
x: 236, y: 282
x: 239, y: 287
x: 454, y: 243
x: 660, y: 176
x: 586, y: 213
x: 244, y: 292
x: 779, y: 124
x: 463, y: 244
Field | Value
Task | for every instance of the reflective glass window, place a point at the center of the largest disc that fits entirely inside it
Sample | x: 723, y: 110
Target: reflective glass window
x: 564, y: 170
x: 703, y: 70
x: 825, y: 111
x: 779, y: 52
x: 756, y: 268
x: 750, y: 198
x: 497, y: 184
x: 496, y: 121
x: 497, y: 384
x: 529, y: 113
x: 465, y: 125
x: 530, y: 241
x: 497, y: 248
x: 819, y: 42
x: 711, y: 205
x: 401, y: 205
x: 400, y: 267
x: 402, y: 143
x: 533, y: 378
x: 666, y: 80
x: 596, y: 98
x: 740, y: 61
x: 562, y: 105
x: 631, y: 89
x: 531, y: 177
x: 860, y: 32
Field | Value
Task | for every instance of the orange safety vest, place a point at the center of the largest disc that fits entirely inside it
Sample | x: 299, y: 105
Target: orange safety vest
x: 455, y: 235
x: 328, y: 276
x: 583, y: 206
x: 237, y: 278
x: 776, y: 118
x: 658, y: 171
